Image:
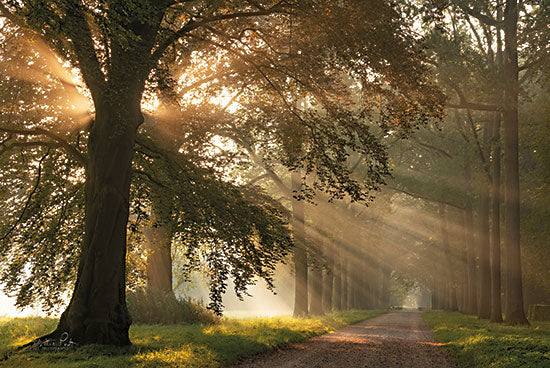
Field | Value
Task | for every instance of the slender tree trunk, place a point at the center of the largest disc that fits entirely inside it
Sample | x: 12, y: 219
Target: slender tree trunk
x: 469, y: 236
x: 376, y: 284
x: 316, y: 303
x: 362, y: 283
x: 337, y: 296
x: 300, y: 252
x: 344, y: 281
x: 496, y: 197
x: 464, y: 267
x: 450, y: 293
x: 97, y: 312
x: 514, y: 296
x: 496, y: 309
x: 328, y: 284
x: 351, y: 285
x: 436, y: 304
x: 386, y: 275
x: 328, y: 280
x: 464, y: 289
x: 484, y: 276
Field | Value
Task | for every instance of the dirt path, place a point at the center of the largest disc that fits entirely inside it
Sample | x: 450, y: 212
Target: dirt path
x: 399, y: 339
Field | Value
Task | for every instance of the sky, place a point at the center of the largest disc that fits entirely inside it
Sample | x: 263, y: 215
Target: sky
x: 7, y: 308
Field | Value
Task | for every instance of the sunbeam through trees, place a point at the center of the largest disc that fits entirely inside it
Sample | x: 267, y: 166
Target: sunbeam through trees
x: 189, y: 159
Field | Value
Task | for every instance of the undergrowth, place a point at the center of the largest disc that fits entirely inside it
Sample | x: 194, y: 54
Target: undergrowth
x: 479, y: 343
x: 180, y: 345
x: 159, y: 307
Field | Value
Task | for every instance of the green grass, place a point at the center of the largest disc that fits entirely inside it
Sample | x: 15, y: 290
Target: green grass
x: 479, y: 343
x: 173, y: 345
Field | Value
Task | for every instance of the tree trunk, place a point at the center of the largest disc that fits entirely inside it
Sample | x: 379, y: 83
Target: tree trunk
x: 362, y: 287
x: 328, y: 280
x: 351, y: 285
x: 316, y: 303
x: 337, y: 295
x: 464, y: 267
x: 158, y: 238
x: 496, y: 309
x: 470, y: 249
x: 436, y: 304
x: 386, y: 274
x: 344, y: 287
x: 484, y: 276
x: 448, y: 277
x: 514, y: 296
x: 97, y: 312
x: 300, y: 252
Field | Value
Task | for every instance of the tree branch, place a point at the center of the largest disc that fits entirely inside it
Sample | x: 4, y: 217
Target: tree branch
x: 437, y: 149
x: 465, y: 104
x: 193, y: 24
x: 148, y: 176
x: 478, y: 145
x: 272, y: 175
x: 9, y: 147
x: 257, y: 179
x: 33, y: 191
x: 81, y: 37
x: 60, y: 140
x: 485, y: 19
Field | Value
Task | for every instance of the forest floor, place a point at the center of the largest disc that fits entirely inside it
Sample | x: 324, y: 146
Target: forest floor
x: 178, y: 345
x: 479, y: 343
x: 399, y: 339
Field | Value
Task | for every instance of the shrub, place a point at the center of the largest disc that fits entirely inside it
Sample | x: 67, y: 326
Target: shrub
x: 160, y: 307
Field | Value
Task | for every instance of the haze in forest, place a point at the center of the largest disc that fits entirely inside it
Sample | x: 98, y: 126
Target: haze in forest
x: 317, y: 155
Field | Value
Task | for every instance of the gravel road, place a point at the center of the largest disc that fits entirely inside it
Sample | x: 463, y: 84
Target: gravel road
x: 398, y: 339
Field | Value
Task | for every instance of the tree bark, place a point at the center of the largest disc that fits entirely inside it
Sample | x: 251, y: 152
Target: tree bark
x: 316, y: 303
x: 448, y: 276
x: 158, y: 239
x: 496, y: 309
x: 363, y: 281
x: 484, y: 275
x: 514, y: 296
x: 350, y: 303
x: 300, y: 252
x: 97, y: 312
x: 344, y: 287
x: 386, y: 275
x: 328, y: 280
x: 470, y: 249
x: 337, y: 295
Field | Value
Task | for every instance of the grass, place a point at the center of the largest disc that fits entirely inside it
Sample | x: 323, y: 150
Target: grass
x: 479, y: 343
x: 173, y: 345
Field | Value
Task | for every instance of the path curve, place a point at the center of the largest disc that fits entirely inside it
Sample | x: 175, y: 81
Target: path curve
x: 397, y: 339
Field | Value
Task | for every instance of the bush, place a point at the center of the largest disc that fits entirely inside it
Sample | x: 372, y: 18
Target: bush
x: 160, y: 307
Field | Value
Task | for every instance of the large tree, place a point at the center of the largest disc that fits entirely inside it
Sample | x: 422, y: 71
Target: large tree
x: 118, y: 48
x: 115, y: 46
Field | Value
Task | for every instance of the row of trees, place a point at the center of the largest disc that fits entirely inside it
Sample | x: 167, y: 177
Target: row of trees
x: 481, y: 65
x: 179, y: 118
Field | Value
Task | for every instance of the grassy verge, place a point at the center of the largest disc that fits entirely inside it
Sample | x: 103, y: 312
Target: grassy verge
x: 479, y: 343
x: 174, y: 345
